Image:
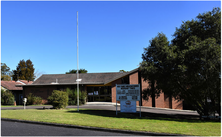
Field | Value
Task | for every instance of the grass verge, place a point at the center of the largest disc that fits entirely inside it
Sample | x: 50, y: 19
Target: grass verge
x: 108, y: 119
x: 10, y: 106
x: 22, y: 105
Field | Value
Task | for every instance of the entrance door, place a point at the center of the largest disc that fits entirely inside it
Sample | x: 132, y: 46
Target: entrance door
x: 99, y: 94
x: 90, y: 94
x: 20, y: 99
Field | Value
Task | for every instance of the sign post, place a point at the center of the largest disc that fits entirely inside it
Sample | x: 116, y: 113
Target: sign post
x: 140, y: 107
x: 78, y: 80
x: 128, y: 95
x: 116, y: 100
x: 24, y: 101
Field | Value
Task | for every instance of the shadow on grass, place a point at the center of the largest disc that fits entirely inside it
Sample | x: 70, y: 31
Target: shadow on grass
x: 144, y: 115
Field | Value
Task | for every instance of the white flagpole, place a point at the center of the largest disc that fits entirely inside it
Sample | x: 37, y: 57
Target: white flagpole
x: 77, y: 66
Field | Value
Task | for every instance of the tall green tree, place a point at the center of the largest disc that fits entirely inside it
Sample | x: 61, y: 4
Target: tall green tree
x: 24, y: 71
x: 5, y: 72
x: 188, y: 68
x: 75, y: 71
x: 152, y: 57
x: 29, y: 75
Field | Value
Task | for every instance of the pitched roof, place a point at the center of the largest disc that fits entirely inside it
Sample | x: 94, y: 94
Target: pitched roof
x: 11, y: 85
x: 87, y: 78
x: 26, y: 82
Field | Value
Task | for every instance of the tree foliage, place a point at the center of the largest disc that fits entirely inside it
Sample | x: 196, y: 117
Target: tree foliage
x: 5, y: 77
x: 75, y: 71
x: 5, y: 72
x: 122, y: 70
x: 24, y: 71
x: 189, y: 67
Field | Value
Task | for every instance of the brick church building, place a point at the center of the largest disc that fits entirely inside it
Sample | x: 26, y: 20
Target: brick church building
x: 100, y: 87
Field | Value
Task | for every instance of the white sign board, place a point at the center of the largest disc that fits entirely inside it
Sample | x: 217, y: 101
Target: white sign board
x: 128, y: 106
x: 126, y: 92
x: 25, y: 100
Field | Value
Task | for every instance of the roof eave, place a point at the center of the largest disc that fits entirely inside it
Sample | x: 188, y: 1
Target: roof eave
x: 85, y: 83
x: 128, y: 73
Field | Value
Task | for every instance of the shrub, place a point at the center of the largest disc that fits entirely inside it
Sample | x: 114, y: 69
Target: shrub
x: 83, y: 97
x: 58, y: 99
x: 2, y: 93
x: 33, y: 100
x: 73, y: 97
x: 30, y: 99
x: 38, y: 100
x: 7, y: 98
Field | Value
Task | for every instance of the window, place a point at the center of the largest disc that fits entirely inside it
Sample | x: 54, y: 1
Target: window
x: 101, y: 91
x: 90, y: 91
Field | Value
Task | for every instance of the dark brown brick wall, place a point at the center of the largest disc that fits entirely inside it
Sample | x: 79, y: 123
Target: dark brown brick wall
x: 133, y: 79
x: 177, y: 104
x: 167, y: 101
x: 160, y: 101
x: 146, y: 103
x: 45, y: 91
x: 42, y: 92
x: 118, y: 81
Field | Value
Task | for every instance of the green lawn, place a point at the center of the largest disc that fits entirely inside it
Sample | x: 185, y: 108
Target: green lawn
x: 11, y: 106
x: 22, y: 105
x: 108, y: 119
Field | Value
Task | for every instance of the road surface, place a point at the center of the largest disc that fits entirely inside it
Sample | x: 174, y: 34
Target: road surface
x: 25, y: 129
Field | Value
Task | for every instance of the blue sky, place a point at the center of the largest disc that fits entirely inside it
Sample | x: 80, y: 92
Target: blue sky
x: 112, y: 34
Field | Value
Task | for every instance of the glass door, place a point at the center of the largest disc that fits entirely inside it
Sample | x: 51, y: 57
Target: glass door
x: 99, y: 94
x: 90, y: 94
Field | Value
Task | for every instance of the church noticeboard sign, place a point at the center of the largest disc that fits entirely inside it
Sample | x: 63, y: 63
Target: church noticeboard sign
x: 128, y: 95
x: 128, y: 106
x: 126, y: 92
